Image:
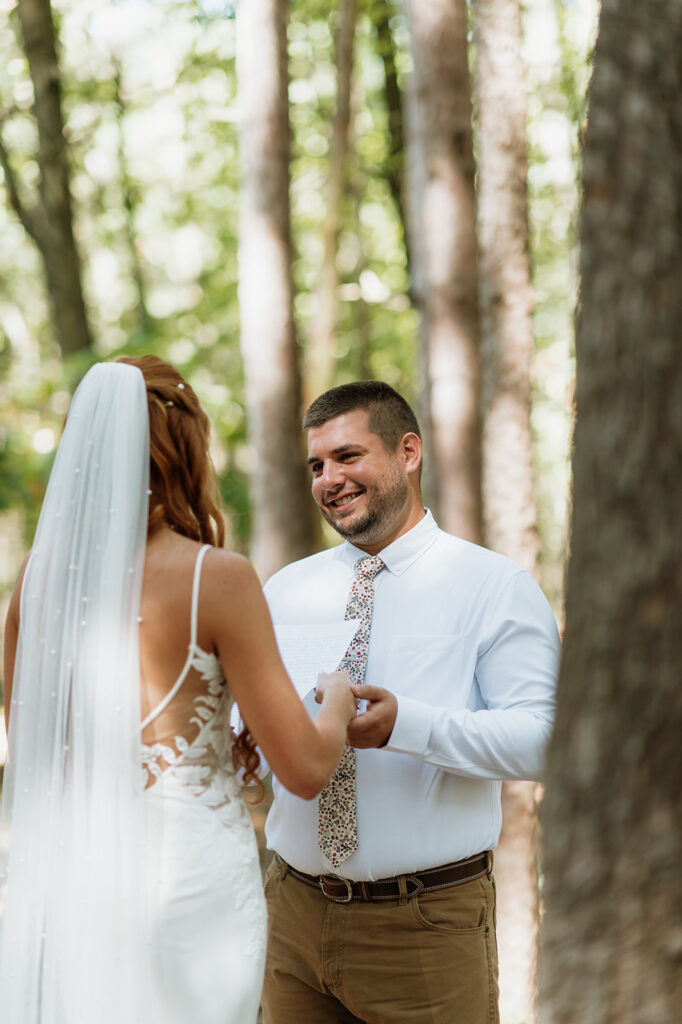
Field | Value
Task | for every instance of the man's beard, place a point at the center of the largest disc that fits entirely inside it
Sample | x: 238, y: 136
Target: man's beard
x: 383, y: 506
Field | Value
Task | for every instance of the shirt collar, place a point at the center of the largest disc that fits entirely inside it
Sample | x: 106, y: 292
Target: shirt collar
x: 398, y: 556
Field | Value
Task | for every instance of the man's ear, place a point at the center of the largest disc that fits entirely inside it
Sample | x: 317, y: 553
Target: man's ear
x: 411, y: 452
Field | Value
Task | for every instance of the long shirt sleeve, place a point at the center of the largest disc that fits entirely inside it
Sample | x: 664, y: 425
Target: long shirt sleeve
x: 504, y: 734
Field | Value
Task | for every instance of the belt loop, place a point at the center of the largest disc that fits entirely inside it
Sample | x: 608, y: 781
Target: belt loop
x: 402, y: 891
x: 282, y: 867
x: 490, y: 863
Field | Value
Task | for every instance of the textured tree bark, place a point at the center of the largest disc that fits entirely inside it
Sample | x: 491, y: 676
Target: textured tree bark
x: 381, y: 11
x: 361, y: 322
x: 504, y: 282
x: 282, y: 508
x: 50, y: 222
x: 612, y: 941
x: 438, y: 31
x: 415, y: 183
x: 509, y: 511
x: 129, y: 201
x: 516, y: 879
x: 319, y: 363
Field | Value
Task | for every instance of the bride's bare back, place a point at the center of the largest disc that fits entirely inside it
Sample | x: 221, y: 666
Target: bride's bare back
x: 164, y: 637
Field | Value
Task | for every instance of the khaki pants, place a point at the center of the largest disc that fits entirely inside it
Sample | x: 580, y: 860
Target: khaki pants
x: 431, y: 960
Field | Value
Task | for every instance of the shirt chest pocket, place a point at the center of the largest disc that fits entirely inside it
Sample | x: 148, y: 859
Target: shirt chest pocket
x: 435, y: 668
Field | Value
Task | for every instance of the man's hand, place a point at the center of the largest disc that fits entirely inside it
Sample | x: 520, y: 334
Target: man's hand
x: 374, y: 726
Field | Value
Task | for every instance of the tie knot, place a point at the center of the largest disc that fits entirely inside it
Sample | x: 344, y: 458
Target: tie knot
x: 367, y: 568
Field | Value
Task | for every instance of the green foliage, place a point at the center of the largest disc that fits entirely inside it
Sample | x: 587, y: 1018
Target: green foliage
x: 148, y: 97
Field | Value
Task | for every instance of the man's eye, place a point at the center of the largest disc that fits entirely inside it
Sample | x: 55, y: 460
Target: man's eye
x: 316, y: 468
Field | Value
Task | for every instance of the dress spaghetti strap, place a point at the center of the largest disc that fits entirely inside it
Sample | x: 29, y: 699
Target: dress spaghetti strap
x: 191, y: 650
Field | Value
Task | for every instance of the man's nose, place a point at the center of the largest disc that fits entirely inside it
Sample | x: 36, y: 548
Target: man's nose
x: 331, y: 475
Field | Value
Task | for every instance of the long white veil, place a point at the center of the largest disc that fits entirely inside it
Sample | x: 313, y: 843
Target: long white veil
x: 72, y: 935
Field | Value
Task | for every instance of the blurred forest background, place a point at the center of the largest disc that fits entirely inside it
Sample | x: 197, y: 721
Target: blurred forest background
x: 279, y: 197
x: 152, y: 110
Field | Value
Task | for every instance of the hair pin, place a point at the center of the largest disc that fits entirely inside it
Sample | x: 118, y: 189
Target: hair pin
x: 169, y: 403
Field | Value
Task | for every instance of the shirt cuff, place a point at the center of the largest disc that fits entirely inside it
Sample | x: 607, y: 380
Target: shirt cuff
x: 412, y: 729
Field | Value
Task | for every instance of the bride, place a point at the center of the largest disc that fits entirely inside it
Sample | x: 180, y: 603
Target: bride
x: 130, y: 881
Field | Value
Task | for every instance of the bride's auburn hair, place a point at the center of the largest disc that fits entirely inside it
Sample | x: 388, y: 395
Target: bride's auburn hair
x: 183, y: 481
x: 184, y: 485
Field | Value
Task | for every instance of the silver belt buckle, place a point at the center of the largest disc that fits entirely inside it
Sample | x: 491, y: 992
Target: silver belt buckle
x: 337, y: 878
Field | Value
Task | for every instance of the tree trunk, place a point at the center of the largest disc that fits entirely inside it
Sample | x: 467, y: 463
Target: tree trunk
x: 324, y: 326
x: 504, y: 283
x: 380, y: 12
x: 516, y: 879
x: 51, y: 223
x: 446, y: 219
x: 415, y: 184
x: 508, y: 492
x: 282, y: 507
x: 361, y: 320
x: 129, y: 200
x: 612, y: 943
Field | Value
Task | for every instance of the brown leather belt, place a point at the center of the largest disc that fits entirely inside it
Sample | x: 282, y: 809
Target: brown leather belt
x: 342, y: 890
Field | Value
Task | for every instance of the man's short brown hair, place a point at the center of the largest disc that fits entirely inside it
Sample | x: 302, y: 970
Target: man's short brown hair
x: 390, y: 416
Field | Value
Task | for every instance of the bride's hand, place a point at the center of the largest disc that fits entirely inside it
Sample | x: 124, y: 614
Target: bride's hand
x: 336, y: 686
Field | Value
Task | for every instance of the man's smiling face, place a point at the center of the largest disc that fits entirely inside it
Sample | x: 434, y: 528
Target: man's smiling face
x: 361, y: 488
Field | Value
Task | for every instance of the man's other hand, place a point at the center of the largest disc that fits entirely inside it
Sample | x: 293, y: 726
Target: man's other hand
x: 374, y: 726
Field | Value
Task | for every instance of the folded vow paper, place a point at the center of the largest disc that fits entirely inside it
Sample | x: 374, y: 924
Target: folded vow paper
x: 308, y: 650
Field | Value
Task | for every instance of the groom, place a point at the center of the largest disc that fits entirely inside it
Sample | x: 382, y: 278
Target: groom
x: 381, y: 898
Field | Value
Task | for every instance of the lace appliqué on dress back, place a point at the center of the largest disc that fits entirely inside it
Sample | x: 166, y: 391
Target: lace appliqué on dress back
x: 209, y: 754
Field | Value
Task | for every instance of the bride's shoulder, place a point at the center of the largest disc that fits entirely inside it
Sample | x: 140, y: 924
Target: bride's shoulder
x: 231, y: 593
x: 222, y: 567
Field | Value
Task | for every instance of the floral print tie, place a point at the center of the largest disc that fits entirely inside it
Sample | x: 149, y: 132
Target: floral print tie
x: 337, y: 832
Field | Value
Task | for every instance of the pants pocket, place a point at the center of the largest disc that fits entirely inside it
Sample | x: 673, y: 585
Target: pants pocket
x: 461, y: 909
x: 453, y: 937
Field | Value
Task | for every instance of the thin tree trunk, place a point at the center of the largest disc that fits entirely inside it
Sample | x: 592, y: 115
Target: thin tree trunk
x: 504, y: 283
x: 381, y: 11
x: 320, y: 350
x: 516, y: 878
x: 612, y: 940
x: 405, y: 172
x: 438, y: 31
x: 282, y: 508
x: 361, y: 322
x: 129, y: 203
x: 508, y: 489
x: 415, y: 185
x: 50, y: 224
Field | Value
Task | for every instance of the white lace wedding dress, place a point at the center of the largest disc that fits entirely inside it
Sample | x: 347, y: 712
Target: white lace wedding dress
x: 206, y: 903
